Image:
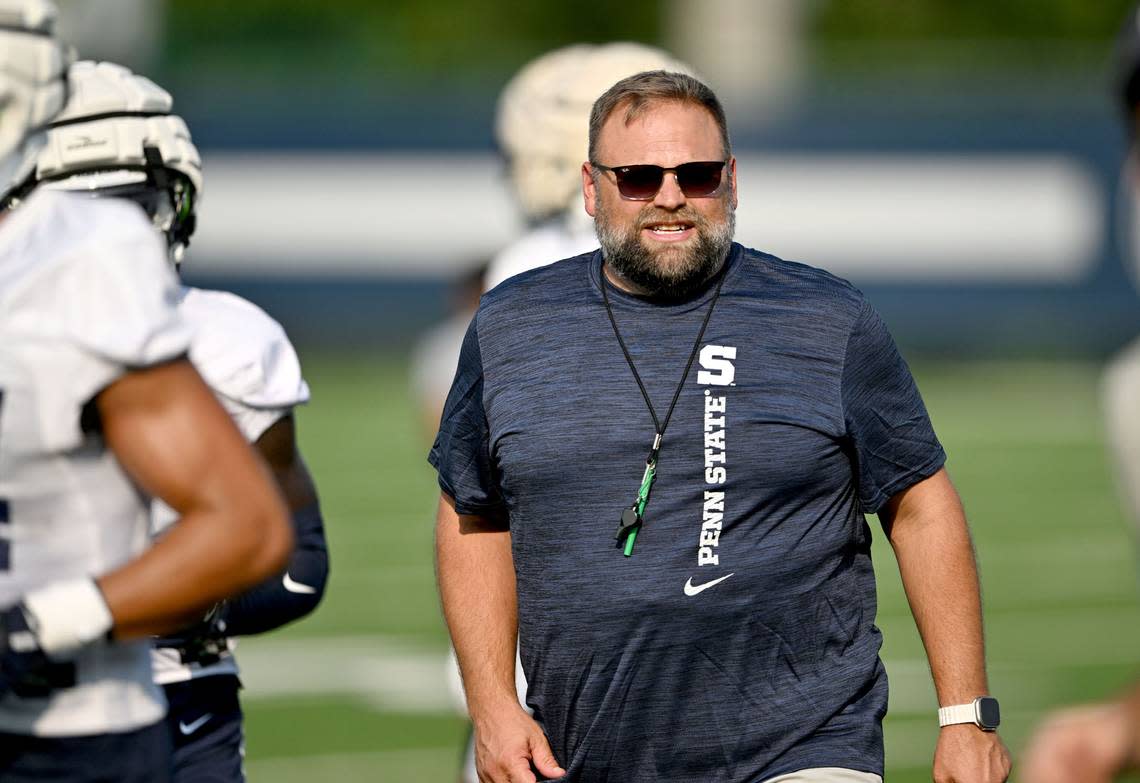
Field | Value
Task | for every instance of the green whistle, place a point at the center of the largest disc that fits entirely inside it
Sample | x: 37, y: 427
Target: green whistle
x: 638, y: 508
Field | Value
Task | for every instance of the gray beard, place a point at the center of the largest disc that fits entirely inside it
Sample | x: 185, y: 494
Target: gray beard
x: 637, y: 264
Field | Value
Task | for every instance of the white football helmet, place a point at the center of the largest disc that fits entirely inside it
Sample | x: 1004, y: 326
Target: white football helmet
x: 543, y: 118
x: 33, y: 85
x: 117, y: 137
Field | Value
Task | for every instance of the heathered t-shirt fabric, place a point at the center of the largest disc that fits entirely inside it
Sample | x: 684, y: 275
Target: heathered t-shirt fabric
x: 798, y: 417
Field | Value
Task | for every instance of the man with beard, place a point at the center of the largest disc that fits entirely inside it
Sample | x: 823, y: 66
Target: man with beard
x: 683, y: 553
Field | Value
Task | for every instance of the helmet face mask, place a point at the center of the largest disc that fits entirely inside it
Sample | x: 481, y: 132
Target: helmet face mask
x: 169, y: 208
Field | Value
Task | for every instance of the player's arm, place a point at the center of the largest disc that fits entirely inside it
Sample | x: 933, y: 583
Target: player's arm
x: 477, y: 589
x: 294, y: 593
x: 175, y: 441
x: 927, y: 527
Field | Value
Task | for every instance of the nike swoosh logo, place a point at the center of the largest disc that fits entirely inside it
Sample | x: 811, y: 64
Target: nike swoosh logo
x: 692, y: 589
x: 296, y: 587
x: 189, y: 728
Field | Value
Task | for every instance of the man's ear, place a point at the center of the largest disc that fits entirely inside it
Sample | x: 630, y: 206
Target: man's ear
x: 589, y: 190
x: 732, y: 181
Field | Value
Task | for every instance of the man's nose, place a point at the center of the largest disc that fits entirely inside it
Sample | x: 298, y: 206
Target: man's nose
x: 669, y: 195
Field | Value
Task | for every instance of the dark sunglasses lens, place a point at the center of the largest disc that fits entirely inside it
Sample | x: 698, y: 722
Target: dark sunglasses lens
x: 639, y: 182
x: 699, y: 179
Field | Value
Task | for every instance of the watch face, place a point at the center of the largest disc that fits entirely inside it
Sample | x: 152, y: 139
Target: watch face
x: 989, y: 716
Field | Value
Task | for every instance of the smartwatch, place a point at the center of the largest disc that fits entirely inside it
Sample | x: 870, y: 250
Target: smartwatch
x: 983, y: 712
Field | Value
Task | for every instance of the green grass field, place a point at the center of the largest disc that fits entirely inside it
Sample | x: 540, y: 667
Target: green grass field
x: 355, y: 693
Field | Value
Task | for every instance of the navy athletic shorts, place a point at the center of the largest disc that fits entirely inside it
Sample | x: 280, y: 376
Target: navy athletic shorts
x: 205, y: 727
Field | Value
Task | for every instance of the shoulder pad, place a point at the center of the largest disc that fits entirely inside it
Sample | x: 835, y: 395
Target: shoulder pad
x: 242, y: 353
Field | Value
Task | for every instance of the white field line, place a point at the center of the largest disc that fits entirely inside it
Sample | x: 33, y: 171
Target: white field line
x: 391, y: 675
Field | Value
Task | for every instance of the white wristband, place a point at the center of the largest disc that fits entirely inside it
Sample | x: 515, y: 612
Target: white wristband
x: 67, y: 615
x: 959, y: 713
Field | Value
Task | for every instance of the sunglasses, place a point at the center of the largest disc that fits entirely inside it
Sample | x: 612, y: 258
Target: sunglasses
x: 641, y: 183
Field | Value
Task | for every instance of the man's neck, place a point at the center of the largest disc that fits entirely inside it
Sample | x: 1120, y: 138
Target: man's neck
x: 622, y: 284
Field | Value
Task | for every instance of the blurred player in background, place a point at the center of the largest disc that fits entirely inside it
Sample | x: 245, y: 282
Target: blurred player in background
x: 99, y: 411
x: 436, y: 353
x: 541, y: 126
x: 1122, y: 379
x: 117, y: 138
x: 542, y: 129
x: 1094, y: 743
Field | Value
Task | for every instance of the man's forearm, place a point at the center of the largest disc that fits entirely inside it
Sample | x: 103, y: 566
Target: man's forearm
x: 927, y: 528
x: 477, y: 589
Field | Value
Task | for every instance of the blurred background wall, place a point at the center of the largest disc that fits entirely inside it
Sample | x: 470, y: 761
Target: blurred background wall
x: 957, y: 160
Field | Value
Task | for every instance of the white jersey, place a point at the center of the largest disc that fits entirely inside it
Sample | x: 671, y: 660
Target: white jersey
x: 563, y: 237
x: 247, y: 360
x: 435, y: 357
x: 86, y: 293
x: 1120, y: 398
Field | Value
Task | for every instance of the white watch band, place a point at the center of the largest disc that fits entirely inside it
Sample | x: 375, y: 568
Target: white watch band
x: 958, y: 713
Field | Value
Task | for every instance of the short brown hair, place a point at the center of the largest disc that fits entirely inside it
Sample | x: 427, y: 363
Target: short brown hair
x: 638, y: 92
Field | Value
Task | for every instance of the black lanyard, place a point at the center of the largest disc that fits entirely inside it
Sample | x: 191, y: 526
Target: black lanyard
x: 632, y: 518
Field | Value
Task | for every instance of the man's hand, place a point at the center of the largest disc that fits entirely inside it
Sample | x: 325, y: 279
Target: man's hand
x: 24, y: 668
x: 966, y: 754
x: 508, y: 743
x: 1089, y: 744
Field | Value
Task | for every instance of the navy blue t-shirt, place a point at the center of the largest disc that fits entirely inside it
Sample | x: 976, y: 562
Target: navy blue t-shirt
x: 738, y: 641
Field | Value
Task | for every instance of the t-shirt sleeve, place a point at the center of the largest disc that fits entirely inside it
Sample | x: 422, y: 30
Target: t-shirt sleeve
x: 462, y: 450
x: 887, y: 423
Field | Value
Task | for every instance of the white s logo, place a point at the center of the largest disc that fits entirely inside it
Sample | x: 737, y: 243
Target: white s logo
x: 718, y: 367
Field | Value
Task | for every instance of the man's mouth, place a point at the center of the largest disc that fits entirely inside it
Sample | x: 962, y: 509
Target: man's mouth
x: 669, y: 231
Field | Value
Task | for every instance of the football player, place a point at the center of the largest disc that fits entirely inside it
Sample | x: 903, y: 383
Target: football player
x: 117, y: 139
x: 541, y: 125
x: 1095, y: 743
x: 99, y: 411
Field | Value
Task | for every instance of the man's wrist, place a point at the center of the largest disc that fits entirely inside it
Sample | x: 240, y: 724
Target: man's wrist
x: 488, y: 706
x: 983, y: 712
